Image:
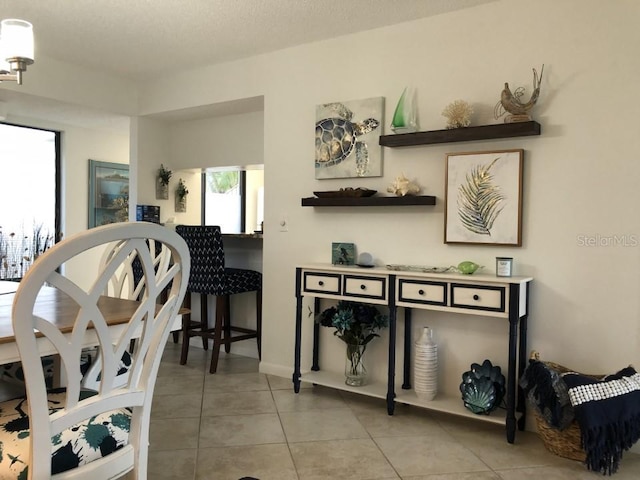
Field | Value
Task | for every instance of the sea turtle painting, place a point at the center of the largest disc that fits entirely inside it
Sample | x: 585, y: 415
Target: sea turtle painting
x: 341, y: 150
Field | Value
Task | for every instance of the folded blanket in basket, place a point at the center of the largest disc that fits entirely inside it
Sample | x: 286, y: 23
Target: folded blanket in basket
x: 608, y: 412
x: 547, y: 393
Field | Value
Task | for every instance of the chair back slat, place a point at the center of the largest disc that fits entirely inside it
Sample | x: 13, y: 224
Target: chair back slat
x: 142, y: 318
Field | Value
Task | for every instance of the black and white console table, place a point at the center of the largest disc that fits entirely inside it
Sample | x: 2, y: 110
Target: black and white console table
x: 484, y: 295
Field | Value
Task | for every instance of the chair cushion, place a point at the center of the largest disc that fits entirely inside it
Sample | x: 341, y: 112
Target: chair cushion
x: 82, y: 444
x: 240, y: 281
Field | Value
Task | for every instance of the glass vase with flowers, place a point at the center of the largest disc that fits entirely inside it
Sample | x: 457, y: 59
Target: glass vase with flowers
x: 356, y: 325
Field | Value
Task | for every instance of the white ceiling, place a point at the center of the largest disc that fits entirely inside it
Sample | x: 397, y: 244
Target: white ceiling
x: 140, y: 39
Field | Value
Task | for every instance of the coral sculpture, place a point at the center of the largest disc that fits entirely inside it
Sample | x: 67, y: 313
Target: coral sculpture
x: 403, y: 186
x: 458, y: 114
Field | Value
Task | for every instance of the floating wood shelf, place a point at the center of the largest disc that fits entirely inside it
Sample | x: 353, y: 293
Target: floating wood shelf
x: 368, y: 201
x: 466, y: 134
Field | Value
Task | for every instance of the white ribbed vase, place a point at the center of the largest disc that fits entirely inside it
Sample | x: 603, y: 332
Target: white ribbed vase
x: 425, y: 366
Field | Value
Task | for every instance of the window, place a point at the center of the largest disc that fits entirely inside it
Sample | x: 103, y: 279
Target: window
x: 233, y: 199
x: 30, y: 162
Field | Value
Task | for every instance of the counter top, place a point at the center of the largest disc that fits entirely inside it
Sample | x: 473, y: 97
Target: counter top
x: 242, y: 235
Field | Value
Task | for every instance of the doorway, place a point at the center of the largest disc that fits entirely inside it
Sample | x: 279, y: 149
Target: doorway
x: 30, y: 196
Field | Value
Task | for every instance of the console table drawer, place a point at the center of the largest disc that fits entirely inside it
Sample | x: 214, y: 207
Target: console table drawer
x: 422, y: 292
x: 478, y: 297
x: 365, y: 287
x: 317, y: 282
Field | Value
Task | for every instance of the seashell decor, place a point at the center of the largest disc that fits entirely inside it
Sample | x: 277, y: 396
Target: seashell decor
x: 458, y: 114
x: 403, y: 186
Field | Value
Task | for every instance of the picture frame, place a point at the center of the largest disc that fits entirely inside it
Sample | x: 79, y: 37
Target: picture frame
x: 343, y: 253
x: 108, y: 193
x: 347, y: 141
x: 483, y: 198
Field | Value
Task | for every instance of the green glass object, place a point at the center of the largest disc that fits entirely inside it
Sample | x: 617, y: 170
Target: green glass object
x: 404, y: 116
x: 467, y: 267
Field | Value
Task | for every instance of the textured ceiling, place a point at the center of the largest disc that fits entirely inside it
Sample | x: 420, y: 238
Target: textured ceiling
x: 139, y: 39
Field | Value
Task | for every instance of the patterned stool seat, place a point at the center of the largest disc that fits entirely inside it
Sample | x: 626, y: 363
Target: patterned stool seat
x: 241, y: 281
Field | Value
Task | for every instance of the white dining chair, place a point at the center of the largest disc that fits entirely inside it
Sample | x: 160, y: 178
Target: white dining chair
x: 128, y: 282
x: 74, y: 432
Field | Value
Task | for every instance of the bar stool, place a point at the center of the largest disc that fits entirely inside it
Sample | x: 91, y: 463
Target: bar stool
x: 209, y: 276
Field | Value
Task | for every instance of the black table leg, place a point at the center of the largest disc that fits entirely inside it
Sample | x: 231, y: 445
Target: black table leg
x: 298, y: 339
x: 514, y: 317
x: 391, y: 378
x: 316, y: 336
x: 406, y: 384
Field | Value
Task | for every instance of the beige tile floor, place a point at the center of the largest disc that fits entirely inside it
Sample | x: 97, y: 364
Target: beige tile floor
x: 239, y: 423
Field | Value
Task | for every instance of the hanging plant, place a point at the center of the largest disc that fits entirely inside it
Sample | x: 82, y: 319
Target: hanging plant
x: 164, y: 175
x: 182, y: 191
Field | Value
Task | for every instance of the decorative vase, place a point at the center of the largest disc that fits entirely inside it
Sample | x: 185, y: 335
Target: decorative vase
x: 405, y: 117
x: 354, y: 369
x: 425, y: 363
x: 181, y: 203
x: 162, y: 190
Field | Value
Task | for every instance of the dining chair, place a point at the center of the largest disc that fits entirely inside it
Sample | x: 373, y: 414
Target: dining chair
x: 74, y: 432
x: 210, y: 276
x: 127, y: 282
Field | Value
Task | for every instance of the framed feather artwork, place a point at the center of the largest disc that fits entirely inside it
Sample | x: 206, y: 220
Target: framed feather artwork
x: 483, y: 198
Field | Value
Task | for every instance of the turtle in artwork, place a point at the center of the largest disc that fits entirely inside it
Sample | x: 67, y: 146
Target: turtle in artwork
x: 337, y: 137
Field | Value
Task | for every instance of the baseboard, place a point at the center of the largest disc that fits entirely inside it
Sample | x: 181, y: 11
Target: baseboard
x: 276, y: 370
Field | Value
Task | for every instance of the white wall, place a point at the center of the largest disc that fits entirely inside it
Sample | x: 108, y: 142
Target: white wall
x: 231, y: 140
x: 579, y: 176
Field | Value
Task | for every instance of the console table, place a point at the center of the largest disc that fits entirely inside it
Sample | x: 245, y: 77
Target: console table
x: 484, y: 295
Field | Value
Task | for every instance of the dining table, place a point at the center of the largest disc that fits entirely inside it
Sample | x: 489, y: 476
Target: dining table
x: 62, y: 310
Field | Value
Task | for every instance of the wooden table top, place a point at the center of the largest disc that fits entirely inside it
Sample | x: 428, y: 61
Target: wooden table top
x: 52, y: 304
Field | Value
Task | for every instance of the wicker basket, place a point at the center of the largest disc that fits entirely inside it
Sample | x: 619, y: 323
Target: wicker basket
x: 564, y: 443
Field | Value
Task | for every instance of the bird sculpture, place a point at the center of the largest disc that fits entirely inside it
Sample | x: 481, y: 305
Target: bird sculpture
x: 510, y: 102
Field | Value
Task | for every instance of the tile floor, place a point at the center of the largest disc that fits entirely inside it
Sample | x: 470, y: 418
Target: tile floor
x: 239, y: 423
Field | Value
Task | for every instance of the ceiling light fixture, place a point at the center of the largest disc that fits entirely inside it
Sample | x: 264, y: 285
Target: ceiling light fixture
x: 16, y: 49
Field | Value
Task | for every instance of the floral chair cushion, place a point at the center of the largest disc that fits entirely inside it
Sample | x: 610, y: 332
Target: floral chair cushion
x: 82, y: 444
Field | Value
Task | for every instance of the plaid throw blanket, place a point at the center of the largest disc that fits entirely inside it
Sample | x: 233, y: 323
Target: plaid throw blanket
x: 608, y: 412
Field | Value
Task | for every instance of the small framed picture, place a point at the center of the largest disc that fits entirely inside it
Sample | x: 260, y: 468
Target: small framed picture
x: 343, y: 253
x: 483, y: 198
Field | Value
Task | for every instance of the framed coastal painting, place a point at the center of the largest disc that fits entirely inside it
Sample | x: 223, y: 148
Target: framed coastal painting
x: 343, y: 253
x: 108, y: 193
x: 347, y: 139
x: 483, y: 198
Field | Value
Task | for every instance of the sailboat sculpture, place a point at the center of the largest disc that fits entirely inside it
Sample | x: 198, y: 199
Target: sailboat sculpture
x: 405, y: 117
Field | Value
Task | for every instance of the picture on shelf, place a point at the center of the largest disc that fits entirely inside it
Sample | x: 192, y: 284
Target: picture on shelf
x: 483, y: 198
x: 343, y: 253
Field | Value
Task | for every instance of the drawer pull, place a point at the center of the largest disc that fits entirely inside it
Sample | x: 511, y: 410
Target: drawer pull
x: 363, y: 287
x: 421, y: 292
x: 476, y: 297
x: 321, y: 283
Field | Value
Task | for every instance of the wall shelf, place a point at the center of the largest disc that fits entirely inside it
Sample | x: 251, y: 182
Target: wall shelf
x: 368, y: 201
x: 466, y: 134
